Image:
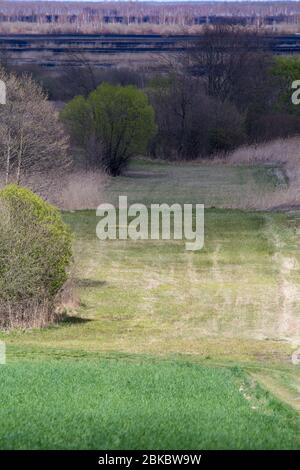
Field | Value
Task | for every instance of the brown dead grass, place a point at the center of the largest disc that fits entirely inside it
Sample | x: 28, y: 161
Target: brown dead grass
x: 284, y: 153
x: 97, y: 28
x: 74, y: 190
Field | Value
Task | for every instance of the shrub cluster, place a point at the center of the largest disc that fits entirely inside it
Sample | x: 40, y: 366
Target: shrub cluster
x: 35, y: 252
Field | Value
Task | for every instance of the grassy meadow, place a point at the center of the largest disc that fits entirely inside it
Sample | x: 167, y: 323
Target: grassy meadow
x: 111, y: 404
x: 165, y: 348
x: 223, y: 185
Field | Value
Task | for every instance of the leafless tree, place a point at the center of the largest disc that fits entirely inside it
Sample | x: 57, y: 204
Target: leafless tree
x: 83, y: 79
x: 190, y: 122
x: 231, y: 60
x: 31, y: 135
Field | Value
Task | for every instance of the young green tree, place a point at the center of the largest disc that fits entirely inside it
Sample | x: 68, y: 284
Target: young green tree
x: 113, y: 124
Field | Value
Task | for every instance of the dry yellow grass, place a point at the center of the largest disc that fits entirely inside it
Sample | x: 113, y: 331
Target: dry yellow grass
x: 73, y: 190
x: 284, y: 153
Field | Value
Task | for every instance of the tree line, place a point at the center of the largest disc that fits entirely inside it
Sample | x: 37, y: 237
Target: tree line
x: 227, y: 90
x: 82, y: 17
x: 224, y: 91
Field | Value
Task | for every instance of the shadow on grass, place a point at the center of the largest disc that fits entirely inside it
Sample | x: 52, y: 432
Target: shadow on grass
x: 144, y: 174
x: 72, y: 320
x: 90, y: 283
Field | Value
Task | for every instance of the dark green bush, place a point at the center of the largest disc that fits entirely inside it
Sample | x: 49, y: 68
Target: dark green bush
x: 222, y: 140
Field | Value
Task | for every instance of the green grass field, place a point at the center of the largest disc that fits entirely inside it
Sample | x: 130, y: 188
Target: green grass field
x: 168, y: 348
x: 138, y: 405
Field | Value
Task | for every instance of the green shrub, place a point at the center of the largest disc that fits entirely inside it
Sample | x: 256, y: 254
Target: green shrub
x: 286, y: 70
x: 35, y: 252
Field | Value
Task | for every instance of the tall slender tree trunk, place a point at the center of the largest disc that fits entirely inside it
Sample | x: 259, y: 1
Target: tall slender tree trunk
x: 7, y: 171
x: 20, y: 153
